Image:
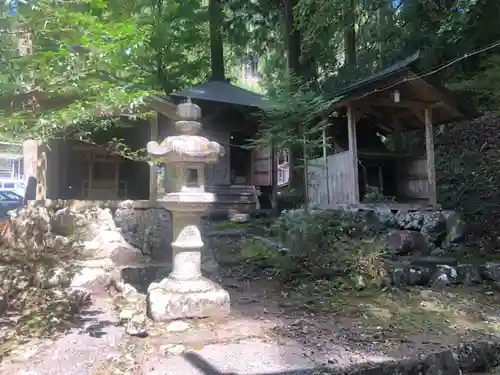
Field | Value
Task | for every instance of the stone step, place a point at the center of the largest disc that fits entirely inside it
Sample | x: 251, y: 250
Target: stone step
x: 239, y: 198
x: 231, y: 189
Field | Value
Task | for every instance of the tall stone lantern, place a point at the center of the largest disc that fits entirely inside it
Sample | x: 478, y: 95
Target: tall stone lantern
x: 185, y: 292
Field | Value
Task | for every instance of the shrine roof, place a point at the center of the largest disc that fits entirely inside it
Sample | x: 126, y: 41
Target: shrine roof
x: 222, y: 92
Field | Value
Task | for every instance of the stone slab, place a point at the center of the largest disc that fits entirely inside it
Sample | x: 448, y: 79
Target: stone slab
x: 165, y: 305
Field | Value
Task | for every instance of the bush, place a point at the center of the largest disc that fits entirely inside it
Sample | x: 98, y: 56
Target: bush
x: 36, y: 266
x: 322, y: 245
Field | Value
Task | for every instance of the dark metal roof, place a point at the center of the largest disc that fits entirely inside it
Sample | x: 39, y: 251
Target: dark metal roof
x: 383, y: 74
x: 403, y: 68
x: 223, y: 92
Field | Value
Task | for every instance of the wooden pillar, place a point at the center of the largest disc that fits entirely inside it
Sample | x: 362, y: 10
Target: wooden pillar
x: 153, y: 169
x: 274, y: 180
x: 90, y: 176
x: 353, y: 151
x: 325, y: 161
x: 117, y: 179
x: 429, y: 151
x: 398, y: 142
x: 41, y: 173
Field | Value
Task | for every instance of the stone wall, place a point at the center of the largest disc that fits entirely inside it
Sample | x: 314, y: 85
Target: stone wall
x: 426, y: 248
x: 413, y: 232
x: 120, y: 240
x: 140, y: 224
x: 117, y: 240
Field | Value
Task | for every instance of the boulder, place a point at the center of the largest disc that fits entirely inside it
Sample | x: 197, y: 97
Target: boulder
x: 444, y: 275
x: 386, y: 217
x: 433, y: 226
x: 468, y: 274
x: 410, y: 276
x: 52, y: 277
x: 127, y: 219
x: 441, y: 363
x: 479, y: 355
x: 140, y: 277
x: 137, y: 325
x: 150, y: 230
x: 490, y: 271
x: 410, y: 220
x: 132, y: 310
x: 96, y: 280
x: 403, y: 242
x: 456, y: 227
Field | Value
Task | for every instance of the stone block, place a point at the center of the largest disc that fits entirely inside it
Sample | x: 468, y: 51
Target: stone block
x: 403, y: 242
x: 166, y: 305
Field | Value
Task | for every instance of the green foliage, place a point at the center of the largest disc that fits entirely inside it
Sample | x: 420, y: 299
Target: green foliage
x: 322, y: 246
x: 290, y: 119
x: 467, y: 158
x: 480, y: 88
x: 373, y: 194
x: 92, y: 61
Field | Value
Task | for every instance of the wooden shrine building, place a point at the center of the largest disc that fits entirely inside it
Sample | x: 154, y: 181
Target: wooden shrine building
x: 362, y: 117
x: 72, y: 170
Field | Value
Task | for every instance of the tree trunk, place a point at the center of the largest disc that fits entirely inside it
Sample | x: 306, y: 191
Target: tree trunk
x: 293, y: 48
x: 384, y: 23
x: 216, y: 43
x: 292, y: 37
x: 350, y: 33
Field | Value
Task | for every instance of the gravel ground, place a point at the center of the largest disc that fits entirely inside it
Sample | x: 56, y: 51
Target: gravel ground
x: 101, y: 346
x: 76, y: 353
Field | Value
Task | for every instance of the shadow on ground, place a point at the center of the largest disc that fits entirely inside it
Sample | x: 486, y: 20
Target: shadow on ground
x: 206, y: 368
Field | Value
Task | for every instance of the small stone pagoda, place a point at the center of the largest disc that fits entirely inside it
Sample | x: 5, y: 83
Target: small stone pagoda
x: 185, y: 292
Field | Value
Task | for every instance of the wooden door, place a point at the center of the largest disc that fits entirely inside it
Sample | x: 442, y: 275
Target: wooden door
x: 262, y: 167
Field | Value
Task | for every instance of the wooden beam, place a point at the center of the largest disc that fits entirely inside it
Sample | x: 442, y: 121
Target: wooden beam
x: 418, y: 115
x: 384, y: 102
x: 429, y: 151
x: 153, y: 168
x: 353, y: 151
x: 163, y: 106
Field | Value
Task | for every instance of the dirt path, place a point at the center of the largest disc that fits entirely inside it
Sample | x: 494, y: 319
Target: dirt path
x: 272, y: 329
x: 76, y: 353
x: 267, y: 324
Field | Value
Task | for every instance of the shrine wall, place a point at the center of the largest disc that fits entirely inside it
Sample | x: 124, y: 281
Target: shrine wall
x: 61, y: 167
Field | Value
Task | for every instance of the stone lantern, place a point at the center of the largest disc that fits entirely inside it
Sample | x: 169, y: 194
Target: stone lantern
x: 185, y: 292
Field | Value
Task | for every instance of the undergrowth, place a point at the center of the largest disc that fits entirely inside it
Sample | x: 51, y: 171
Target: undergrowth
x: 331, y: 247
x: 36, y: 267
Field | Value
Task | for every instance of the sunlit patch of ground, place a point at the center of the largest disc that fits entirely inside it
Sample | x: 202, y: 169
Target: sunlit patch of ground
x: 387, y: 314
x: 455, y: 310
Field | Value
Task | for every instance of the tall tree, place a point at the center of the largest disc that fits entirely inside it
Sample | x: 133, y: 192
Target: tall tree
x: 292, y: 38
x: 216, y: 41
x: 350, y: 33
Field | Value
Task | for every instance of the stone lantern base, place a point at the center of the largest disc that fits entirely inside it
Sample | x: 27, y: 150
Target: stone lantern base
x: 185, y: 293
x: 172, y: 299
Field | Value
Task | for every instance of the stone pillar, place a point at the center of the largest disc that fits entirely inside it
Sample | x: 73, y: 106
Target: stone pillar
x: 35, y: 169
x: 185, y: 293
x: 42, y: 163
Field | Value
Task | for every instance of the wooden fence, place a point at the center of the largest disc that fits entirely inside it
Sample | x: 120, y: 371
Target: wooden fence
x: 329, y: 183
